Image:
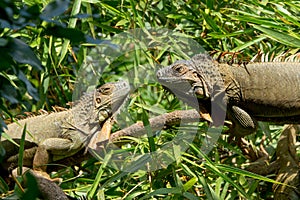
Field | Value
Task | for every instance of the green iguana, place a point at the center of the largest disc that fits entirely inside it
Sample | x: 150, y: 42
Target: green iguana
x: 262, y: 91
x: 54, y: 136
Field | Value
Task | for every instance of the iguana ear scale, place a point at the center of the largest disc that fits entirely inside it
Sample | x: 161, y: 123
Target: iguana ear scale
x: 201, y: 88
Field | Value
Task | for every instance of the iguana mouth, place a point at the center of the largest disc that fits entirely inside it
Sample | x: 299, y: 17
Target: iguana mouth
x: 173, y: 80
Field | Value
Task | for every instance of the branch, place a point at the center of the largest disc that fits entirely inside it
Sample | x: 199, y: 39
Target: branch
x: 158, y: 123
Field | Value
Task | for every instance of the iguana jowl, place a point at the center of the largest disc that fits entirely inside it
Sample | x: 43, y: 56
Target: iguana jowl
x: 62, y: 134
x: 263, y: 91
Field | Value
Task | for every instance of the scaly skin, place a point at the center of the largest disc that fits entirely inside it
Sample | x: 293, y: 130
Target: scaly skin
x: 289, y: 170
x: 59, y: 135
x: 257, y: 91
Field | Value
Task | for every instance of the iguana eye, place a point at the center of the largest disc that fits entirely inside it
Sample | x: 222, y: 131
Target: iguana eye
x: 179, y: 68
x: 105, y: 90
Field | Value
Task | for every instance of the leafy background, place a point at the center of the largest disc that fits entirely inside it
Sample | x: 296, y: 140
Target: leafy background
x: 43, y: 44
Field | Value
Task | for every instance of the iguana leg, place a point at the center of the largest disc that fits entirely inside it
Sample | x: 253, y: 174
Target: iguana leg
x: 289, y: 171
x: 41, y: 159
x: 28, y: 155
x: 101, y: 138
x: 55, y: 149
x: 243, y: 123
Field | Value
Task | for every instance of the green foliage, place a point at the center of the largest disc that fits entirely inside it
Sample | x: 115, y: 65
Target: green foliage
x: 43, y: 44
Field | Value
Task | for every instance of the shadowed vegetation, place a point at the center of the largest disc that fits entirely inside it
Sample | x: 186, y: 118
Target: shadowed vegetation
x: 45, y: 44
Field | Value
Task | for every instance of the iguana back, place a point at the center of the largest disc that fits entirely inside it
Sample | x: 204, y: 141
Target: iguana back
x: 40, y: 127
x: 266, y: 89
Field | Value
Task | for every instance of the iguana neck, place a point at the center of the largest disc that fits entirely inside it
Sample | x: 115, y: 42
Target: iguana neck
x: 209, y: 73
x: 230, y: 85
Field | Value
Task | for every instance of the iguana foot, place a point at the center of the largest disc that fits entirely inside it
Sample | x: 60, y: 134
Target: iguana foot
x: 259, y: 159
x: 47, y: 176
x: 37, y: 173
x: 251, y: 153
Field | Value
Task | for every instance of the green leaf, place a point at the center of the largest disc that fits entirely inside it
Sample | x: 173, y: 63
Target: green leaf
x: 153, y: 109
x: 21, y: 151
x: 190, y: 196
x: 3, y: 186
x: 249, y: 43
x: 54, y: 8
x: 33, y: 191
x: 161, y: 191
x: 210, y: 22
x: 217, y: 35
x: 287, y: 15
x: 30, y: 89
x: 282, y: 37
x: 174, y: 16
x: 22, y: 53
x: 208, y: 190
x: 71, y: 34
x: 146, y: 124
x: 72, y: 23
x: 212, y: 166
x: 258, y: 20
x: 91, y: 193
x: 112, y: 9
x: 6, y: 136
x: 225, y: 191
x: 245, y: 173
x: 8, y: 92
x: 188, y: 185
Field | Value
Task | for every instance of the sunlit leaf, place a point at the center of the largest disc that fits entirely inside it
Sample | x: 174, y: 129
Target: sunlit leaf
x: 282, y: 37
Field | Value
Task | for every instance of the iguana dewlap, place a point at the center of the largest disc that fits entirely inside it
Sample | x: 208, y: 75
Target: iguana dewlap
x: 266, y: 91
x: 61, y: 134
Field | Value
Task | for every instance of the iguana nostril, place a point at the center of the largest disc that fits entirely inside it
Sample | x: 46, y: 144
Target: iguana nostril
x: 98, y: 100
x: 159, y: 73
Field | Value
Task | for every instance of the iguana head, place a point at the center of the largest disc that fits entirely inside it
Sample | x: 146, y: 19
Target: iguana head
x: 94, y: 112
x: 94, y: 108
x: 183, y: 80
x: 109, y: 97
x: 187, y: 78
x: 196, y: 81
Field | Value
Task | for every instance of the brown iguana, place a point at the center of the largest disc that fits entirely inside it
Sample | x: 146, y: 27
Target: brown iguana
x: 61, y: 134
x: 263, y: 91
